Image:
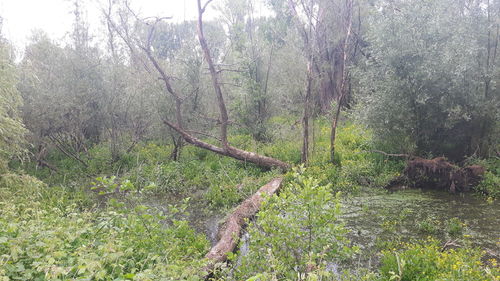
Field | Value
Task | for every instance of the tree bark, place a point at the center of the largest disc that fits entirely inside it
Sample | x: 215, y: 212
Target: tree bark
x: 234, y: 224
x: 230, y: 151
x: 307, y: 105
x: 214, y: 74
x: 343, y: 81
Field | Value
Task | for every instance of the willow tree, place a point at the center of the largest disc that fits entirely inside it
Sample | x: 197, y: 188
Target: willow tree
x: 430, y: 82
x: 328, y: 44
x: 12, y: 130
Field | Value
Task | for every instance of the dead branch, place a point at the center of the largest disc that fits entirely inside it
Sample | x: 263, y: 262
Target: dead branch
x: 59, y: 145
x: 389, y: 154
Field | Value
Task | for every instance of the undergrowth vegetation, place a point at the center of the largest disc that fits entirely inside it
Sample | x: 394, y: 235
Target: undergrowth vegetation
x: 490, y: 185
x: 430, y: 261
x: 88, y: 222
x: 57, y: 234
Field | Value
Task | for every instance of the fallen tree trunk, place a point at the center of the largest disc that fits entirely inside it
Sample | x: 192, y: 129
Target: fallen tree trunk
x: 232, y: 227
x: 230, y: 151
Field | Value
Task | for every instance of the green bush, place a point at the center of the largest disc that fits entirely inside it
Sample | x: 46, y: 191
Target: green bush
x: 428, y: 261
x: 429, y: 225
x: 295, y: 233
x: 454, y: 227
x: 355, y: 166
x: 288, y: 151
x: 326, y: 174
x: 490, y: 185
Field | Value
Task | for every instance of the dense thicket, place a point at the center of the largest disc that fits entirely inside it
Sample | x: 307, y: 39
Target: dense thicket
x: 12, y: 131
x: 429, y: 83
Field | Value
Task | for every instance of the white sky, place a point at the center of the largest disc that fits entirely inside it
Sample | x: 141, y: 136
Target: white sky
x: 20, y: 17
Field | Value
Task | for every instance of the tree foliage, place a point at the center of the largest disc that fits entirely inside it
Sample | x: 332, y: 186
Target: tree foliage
x: 12, y: 130
x: 429, y: 82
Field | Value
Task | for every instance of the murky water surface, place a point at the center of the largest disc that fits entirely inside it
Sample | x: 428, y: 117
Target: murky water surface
x: 378, y: 218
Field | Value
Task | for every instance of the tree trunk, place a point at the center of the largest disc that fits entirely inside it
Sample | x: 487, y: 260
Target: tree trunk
x: 232, y: 227
x: 214, y: 74
x: 307, y: 104
x: 343, y: 80
x: 176, y: 151
x: 230, y: 151
x: 333, y: 133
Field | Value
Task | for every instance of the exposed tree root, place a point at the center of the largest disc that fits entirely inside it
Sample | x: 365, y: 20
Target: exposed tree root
x: 438, y: 174
x: 230, y: 232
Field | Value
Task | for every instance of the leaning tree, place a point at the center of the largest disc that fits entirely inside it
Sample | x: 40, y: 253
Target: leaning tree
x: 144, y: 46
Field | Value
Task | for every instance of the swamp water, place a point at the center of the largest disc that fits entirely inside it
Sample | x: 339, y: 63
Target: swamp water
x: 379, y: 219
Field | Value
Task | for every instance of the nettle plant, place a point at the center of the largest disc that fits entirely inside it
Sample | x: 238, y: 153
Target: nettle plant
x: 298, y: 234
x: 110, y: 185
x: 46, y: 234
x: 430, y: 261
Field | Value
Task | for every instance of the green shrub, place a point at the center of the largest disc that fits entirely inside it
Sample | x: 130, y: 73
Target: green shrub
x: 326, y: 174
x: 490, y: 185
x: 288, y: 151
x: 152, y: 153
x: 429, y: 225
x: 296, y: 232
x: 355, y: 166
x: 428, y: 261
x: 454, y: 227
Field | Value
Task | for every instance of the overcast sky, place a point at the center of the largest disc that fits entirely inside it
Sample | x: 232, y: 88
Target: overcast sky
x: 20, y: 17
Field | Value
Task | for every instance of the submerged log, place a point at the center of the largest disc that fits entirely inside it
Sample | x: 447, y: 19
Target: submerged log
x: 233, y: 226
x: 438, y: 174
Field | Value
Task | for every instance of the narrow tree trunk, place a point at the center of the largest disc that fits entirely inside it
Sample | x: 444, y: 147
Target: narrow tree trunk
x: 214, y: 74
x: 307, y: 104
x: 176, y: 151
x: 306, y: 33
x: 343, y: 81
x: 333, y: 133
